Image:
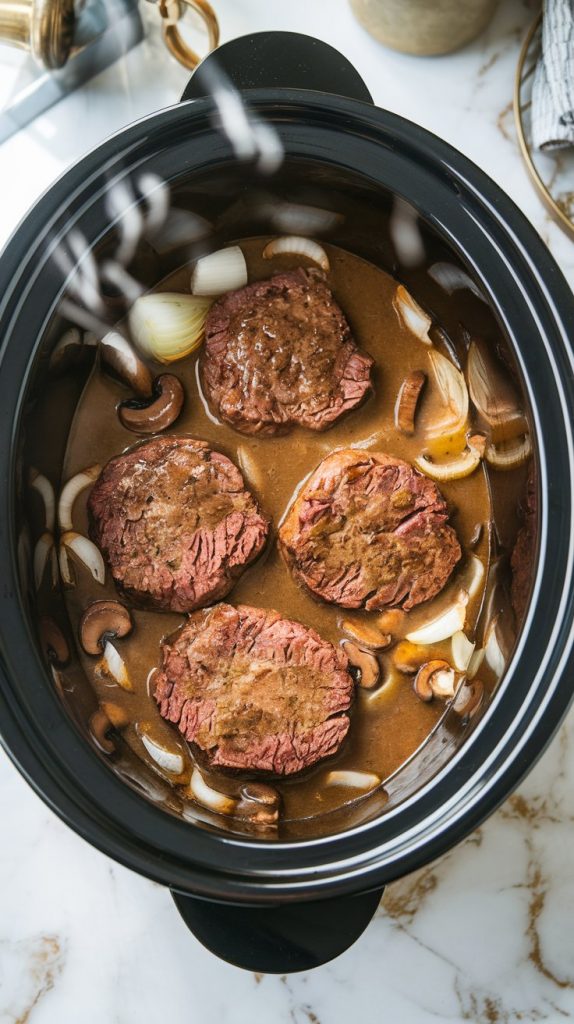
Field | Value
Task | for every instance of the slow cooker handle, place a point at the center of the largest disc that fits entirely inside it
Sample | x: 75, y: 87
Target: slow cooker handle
x: 280, y: 60
x: 279, y: 938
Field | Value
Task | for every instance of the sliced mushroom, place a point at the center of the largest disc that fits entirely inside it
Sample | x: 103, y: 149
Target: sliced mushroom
x: 100, y: 726
x: 120, y: 357
x: 259, y: 803
x: 407, y: 401
x: 469, y: 699
x: 54, y: 644
x: 118, y: 717
x: 365, y: 662
x: 368, y: 636
x: 408, y: 657
x: 103, y: 621
x: 435, y: 679
x: 150, y: 415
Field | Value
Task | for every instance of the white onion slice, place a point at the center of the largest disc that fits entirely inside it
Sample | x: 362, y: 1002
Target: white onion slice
x: 219, y: 272
x: 462, y: 650
x: 452, y: 278
x: 297, y: 245
x: 168, y: 325
x: 355, y: 780
x: 86, y: 552
x: 211, y: 798
x: 454, y: 396
x: 112, y: 664
x: 475, y: 663
x: 42, y: 485
x: 456, y: 469
x: 493, y: 653
x: 410, y: 313
x: 473, y: 575
x: 70, y: 492
x: 166, y: 759
x: 43, y: 552
x: 442, y: 626
x: 509, y: 454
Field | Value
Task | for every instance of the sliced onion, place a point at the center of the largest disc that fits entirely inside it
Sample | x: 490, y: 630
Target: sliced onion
x: 463, y: 465
x: 249, y: 467
x: 493, y: 653
x: 70, y: 492
x: 454, y: 397
x: 475, y: 663
x: 442, y: 626
x: 462, y: 650
x: 42, y: 485
x: 43, y: 552
x: 473, y: 576
x: 509, y: 454
x: 112, y: 664
x: 86, y: 552
x: 168, y: 760
x: 411, y: 314
x: 493, y: 394
x: 219, y: 272
x: 297, y: 245
x: 211, y: 798
x: 355, y: 780
x: 452, y: 279
x: 168, y: 325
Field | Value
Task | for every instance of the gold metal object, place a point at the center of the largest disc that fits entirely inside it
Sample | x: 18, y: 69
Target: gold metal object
x: 171, y: 12
x: 43, y: 27
x: 529, y: 56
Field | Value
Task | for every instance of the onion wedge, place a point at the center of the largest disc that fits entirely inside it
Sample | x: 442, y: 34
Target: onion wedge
x: 219, y: 272
x: 355, y: 780
x: 463, y: 465
x: 168, y: 325
x: 411, y: 315
x: 210, y: 798
x: 462, y: 650
x: 113, y: 665
x: 298, y: 246
x: 86, y: 552
x: 167, y: 760
x: 43, y: 553
x: 42, y: 485
x: 454, y: 397
x: 509, y: 454
x: 70, y: 492
x: 443, y: 625
x: 475, y: 662
x: 493, y: 394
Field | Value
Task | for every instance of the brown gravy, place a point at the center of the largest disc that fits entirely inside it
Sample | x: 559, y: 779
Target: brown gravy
x: 390, y: 722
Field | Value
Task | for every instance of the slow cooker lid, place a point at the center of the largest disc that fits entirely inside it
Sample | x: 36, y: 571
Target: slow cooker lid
x: 536, y: 309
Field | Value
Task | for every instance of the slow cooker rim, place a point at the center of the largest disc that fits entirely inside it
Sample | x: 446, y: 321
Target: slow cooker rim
x: 352, y: 883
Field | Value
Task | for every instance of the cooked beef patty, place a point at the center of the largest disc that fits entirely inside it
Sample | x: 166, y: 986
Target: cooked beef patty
x: 368, y: 530
x: 255, y: 691
x: 175, y: 523
x: 522, y: 558
x: 280, y: 352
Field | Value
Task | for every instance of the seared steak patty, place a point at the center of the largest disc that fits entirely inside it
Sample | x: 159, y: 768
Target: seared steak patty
x: 280, y: 352
x: 175, y: 523
x: 253, y: 690
x: 368, y: 530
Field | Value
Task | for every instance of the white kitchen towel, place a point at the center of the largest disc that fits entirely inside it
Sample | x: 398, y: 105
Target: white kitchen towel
x: 553, y: 86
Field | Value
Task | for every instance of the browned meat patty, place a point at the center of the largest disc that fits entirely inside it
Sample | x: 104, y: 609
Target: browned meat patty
x: 369, y: 531
x: 280, y: 352
x: 522, y: 558
x: 175, y: 523
x: 255, y: 691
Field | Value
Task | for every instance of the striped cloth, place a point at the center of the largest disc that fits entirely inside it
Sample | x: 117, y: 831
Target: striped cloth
x: 553, y: 86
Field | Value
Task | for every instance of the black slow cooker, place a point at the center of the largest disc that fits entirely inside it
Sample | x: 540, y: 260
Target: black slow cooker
x: 297, y: 902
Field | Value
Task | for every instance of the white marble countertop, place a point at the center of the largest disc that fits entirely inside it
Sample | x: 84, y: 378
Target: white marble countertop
x: 483, y: 935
